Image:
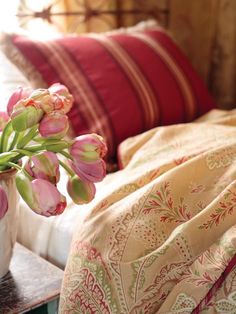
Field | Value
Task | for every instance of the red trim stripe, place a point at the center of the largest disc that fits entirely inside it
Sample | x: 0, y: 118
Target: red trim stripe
x: 81, y: 90
x: 216, y: 286
x: 177, y: 72
x: 140, y: 83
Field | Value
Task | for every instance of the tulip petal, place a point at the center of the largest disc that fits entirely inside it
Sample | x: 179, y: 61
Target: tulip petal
x: 93, y: 172
x: 44, y: 98
x: 63, y: 100
x: 19, y: 93
x: 54, y: 125
x: 40, y: 195
x: 25, y: 116
x: 48, y: 200
x: 81, y: 192
x: 44, y: 165
x: 3, y: 119
x: 88, y: 148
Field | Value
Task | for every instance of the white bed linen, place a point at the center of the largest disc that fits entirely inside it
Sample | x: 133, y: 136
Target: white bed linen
x: 50, y: 237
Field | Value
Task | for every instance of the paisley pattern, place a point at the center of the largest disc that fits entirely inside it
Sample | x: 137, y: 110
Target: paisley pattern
x: 160, y: 237
x: 227, y: 305
x: 183, y: 304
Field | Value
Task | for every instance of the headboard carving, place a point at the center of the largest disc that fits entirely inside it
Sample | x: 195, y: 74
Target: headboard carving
x: 109, y: 13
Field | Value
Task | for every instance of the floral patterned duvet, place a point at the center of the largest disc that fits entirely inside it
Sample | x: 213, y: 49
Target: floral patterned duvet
x: 162, y: 237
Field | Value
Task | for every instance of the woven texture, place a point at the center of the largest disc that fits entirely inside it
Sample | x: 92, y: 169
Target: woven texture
x: 123, y: 84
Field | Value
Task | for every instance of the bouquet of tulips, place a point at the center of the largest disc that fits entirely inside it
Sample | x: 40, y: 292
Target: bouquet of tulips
x: 33, y: 141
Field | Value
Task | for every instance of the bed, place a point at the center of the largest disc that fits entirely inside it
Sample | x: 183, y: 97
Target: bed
x: 159, y: 237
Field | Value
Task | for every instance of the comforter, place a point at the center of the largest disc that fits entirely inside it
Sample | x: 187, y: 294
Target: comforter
x: 161, y: 238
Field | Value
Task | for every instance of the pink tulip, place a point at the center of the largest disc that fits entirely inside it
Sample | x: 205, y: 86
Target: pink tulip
x: 54, y: 125
x: 63, y: 100
x: 81, y: 192
x: 59, y: 89
x: 19, y: 93
x: 3, y: 203
x: 92, y: 172
x: 44, y: 98
x: 3, y: 119
x: 45, y: 166
x: 26, y: 113
x: 48, y: 200
x: 40, y: 195
x: 88, y: 148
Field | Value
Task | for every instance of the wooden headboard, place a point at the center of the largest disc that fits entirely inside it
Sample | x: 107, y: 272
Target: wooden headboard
x: 101, y: 15
x: 204, y: 29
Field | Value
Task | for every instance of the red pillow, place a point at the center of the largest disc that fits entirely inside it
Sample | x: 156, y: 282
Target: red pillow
x: 123, y: 84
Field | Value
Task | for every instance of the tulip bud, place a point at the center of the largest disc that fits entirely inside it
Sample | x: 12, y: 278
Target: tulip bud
x: 48, y: 200
x: 25, y: 115
x: 24, y: 187
x: 45, y: 166
x: 40, y: 195
x: 3, y: 203
x: 81, y: 192
x: 3, y: 119
x: 92, y: 172
x: 54, y: 125
x: 88, y: 148
x: 62, y: 98
x: 19, y: 93
x: 44, y: 98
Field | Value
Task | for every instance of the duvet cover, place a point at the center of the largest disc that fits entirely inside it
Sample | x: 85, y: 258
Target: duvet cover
x: 162, y: 238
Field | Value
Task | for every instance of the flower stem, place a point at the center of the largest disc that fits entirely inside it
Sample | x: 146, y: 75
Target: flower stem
x: 5, y: 135
x: 13, y: 165
x: 65, y: 154
x: 67, y: 168
x: 23, y: 152
x: 34, y: 148
x: 14, y: 141
x: 28, y: 137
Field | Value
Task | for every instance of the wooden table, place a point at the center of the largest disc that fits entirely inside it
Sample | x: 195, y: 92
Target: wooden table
x: 32, y: 284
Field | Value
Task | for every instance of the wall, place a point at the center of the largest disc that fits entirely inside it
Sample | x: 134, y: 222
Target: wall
x: 206, y: 31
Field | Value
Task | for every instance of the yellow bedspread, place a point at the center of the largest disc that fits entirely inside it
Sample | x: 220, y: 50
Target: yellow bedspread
x: 162, y: 237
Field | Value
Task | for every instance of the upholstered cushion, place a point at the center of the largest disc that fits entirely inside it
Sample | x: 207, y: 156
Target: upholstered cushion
x: 123, y: 84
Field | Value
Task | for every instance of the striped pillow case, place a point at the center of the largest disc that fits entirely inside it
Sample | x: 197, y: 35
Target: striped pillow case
x: 123, y: 84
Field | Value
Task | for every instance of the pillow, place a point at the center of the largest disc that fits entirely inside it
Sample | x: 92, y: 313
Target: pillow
x: 123, y: 83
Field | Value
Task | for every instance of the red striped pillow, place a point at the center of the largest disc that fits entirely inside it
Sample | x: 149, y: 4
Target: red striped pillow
x: 123, y: 84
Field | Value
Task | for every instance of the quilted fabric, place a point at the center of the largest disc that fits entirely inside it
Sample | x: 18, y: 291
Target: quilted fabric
x: 123, y: 84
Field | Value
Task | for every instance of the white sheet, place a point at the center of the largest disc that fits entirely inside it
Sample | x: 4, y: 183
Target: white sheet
x: 51, y: 237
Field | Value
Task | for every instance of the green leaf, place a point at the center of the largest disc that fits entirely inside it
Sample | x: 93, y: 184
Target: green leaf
x: 7, y: 156
x: 56, y: 147
x: 5, y: 136
x: 28, y: 137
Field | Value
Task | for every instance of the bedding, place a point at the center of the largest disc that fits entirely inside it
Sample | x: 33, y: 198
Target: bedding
x: 123, y: 82
x: 160, y: 236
